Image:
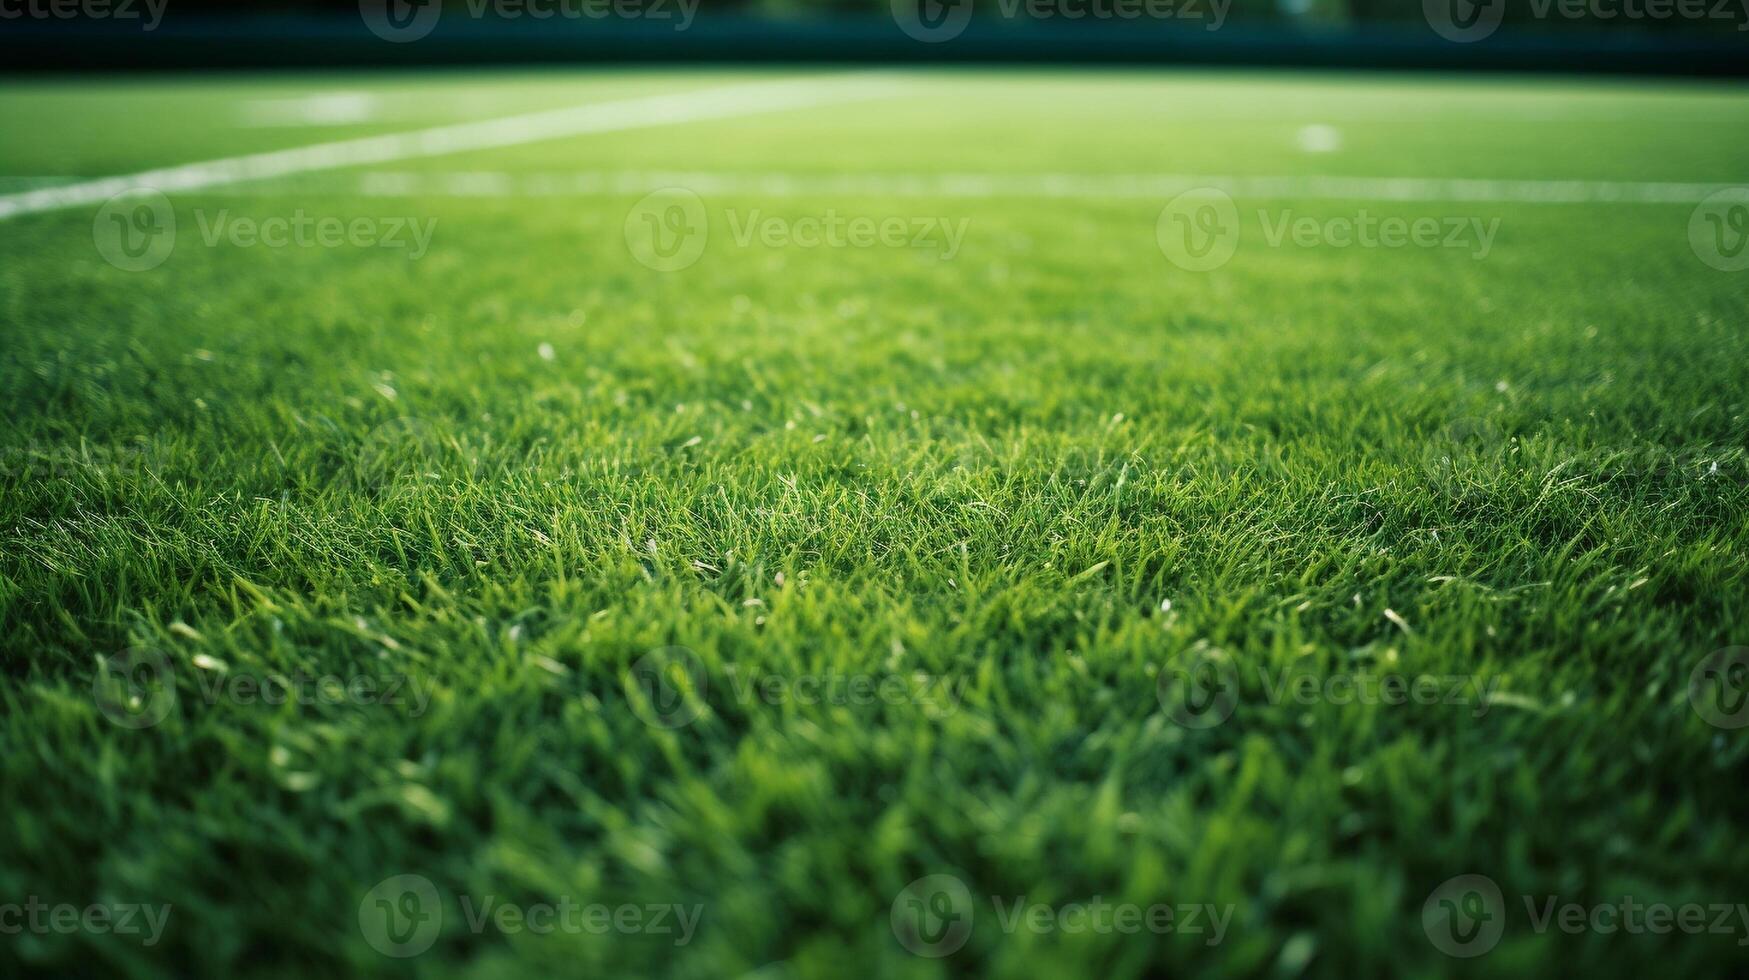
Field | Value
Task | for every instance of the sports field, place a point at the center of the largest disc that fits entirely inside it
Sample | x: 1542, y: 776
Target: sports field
x: 881, y: 524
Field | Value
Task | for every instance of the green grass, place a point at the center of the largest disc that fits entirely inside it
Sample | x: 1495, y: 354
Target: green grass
x: 978, y: 480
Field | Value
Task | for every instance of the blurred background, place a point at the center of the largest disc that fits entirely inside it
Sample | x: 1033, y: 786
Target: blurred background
x: 1666, y: 36
x: 1657, y: 16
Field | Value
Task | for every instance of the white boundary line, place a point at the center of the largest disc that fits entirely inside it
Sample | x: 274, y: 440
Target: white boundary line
x: 1025, y: 185
x: 621, y: 114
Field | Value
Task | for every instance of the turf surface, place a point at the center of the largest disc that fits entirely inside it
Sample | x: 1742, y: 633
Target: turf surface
x: 766, y: 586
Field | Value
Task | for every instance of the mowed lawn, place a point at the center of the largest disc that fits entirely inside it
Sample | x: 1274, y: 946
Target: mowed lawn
x: 900, y: 492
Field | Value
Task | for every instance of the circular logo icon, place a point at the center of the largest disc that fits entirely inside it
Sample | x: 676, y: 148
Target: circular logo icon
x: 400, y: 448
x: 1200, y: 691
x: 1199, y: 229
x: 1718, y: 230
x: 135, y: 230
x: 135, y: 688
x: 932, y: 21
x: 932, y: 917
x: 671, y: 687
x: 1719, y: 688
x: 400, y: 21
x: 401, y: 916
x: 667, y: 229
x: 1704, y: 465
x: 1465, y: 916
x: 1464, y: 454
x: 1464, y: 21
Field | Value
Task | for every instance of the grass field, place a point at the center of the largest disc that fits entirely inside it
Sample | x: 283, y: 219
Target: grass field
x: 923, y: 482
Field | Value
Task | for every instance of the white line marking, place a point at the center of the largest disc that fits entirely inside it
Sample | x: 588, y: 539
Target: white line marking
x: 17, y: 183
x: 1319, y: 138
x: 326, y: 109
x: 656, y: 110
x: 1046, y: 185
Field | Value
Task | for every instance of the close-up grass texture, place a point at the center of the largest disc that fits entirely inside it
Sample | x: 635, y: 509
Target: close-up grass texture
x: 998, y: 522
